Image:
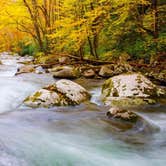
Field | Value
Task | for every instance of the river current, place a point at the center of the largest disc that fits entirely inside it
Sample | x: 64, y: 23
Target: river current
x: 72, y: 136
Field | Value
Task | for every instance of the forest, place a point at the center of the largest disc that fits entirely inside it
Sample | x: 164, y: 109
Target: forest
x: 95, y: 29
x: 82, y: 82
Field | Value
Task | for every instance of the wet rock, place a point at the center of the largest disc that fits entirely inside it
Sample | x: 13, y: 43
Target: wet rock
x: 25, y: 69
x: 89, y: 73
x: 122, y: 114
x: 130, y: 102
x: 62, y: 93
x: 39, y: 70
x: 30, y: 69
x: 129, y: 122
x: 65, y: 72
x: 130, y: 89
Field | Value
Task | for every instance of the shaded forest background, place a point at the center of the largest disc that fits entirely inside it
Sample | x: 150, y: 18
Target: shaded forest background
x: 94, y: 29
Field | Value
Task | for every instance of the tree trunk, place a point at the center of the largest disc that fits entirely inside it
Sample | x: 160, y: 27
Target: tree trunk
x: 95, y: 44
x: 91, y: 47
x: 81, y: 52
x: 33, y: 11
x: 155, y: 24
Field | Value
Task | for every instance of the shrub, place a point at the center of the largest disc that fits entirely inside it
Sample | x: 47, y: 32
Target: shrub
x: 27, y: 48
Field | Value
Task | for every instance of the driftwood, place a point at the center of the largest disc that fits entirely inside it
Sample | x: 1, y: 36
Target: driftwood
x: 78, y: 61
x: 91, y: 61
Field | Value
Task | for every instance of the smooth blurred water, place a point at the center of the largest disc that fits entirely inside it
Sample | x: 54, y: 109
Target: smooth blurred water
x: 72, y: 136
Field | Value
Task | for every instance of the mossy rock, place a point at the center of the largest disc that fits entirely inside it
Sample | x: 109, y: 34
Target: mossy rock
x: 122, y: 114
x: 62, y: 93
x: 131, y: 102
x: 130, y: 89
x: 124, y: 120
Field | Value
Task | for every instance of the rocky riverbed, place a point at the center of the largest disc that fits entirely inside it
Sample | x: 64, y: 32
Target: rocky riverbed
x: 73, y: 135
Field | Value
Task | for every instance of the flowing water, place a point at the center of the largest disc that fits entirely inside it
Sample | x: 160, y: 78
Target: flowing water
x: 72, y: 136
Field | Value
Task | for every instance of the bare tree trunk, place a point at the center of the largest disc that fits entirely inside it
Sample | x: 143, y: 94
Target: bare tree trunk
x: 34, y: 17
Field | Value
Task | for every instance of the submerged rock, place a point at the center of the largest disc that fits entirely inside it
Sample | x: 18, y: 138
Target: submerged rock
x: 122, y: 114
x: 65, y: 72
x: 62, y: 93
x: 131, y: 88
x: 128, y: 121
x: 39, y: 70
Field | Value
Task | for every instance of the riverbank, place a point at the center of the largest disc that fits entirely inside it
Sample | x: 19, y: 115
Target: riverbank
x: 79, y: 135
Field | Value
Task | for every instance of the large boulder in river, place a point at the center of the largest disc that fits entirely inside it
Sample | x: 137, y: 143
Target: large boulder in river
x: 65, y: 72
x: 62, y: 93
x: 131, y: 88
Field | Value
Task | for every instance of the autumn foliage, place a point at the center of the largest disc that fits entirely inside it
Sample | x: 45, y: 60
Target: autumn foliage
x: 92, y: 28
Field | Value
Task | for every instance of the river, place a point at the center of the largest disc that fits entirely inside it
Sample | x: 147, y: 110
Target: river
x: 70, y: 136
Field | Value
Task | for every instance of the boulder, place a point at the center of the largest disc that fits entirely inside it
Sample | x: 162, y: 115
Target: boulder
x: 115, y: 69
x: 158, y: 76
x: 106, y: 71
x: 89, y: 73
x: 122, y: 114
x: 25, y: 69
x: 39, y: 70
x: 30, y: 69
x: 129, y: 89
x: 65, y: 72
x: 62, y: 93
x: 122, y: 68
x: 128, y: 121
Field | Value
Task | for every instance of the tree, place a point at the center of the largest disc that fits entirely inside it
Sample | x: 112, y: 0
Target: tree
x: 85, y: 27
